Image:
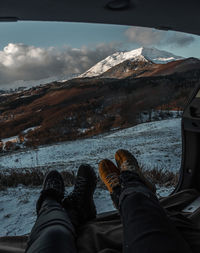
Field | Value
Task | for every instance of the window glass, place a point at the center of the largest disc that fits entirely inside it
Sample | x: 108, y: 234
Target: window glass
x: 76, y: 93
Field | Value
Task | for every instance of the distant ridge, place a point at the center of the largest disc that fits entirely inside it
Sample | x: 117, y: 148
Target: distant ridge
x: 136, y: 69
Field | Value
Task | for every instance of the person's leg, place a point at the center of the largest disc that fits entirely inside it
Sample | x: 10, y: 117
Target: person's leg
x: 188, y: 229
x: 146, y: 225
x: 53, y: 230
x: 79, y: 203
x: 147, y: 229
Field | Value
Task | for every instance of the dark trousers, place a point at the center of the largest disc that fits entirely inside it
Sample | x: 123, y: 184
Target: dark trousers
x: 147, y: 228
x: 53, y: 231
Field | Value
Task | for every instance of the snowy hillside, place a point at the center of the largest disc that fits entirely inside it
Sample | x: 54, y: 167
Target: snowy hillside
x: 156, y: 145
x: 140, y: 54
x: 18, y: 214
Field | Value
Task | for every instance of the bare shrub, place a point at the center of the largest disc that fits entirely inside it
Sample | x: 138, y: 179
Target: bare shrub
x: 68, y: 177
x: 33, y: 177
x: 161, y: 177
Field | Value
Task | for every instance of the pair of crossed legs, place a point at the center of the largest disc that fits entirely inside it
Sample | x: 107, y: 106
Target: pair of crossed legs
x: 146, y: 226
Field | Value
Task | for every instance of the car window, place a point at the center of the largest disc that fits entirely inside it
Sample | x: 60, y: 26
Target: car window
x: 76, y: 93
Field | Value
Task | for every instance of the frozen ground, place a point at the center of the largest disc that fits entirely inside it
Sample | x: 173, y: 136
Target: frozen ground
x: 17, y: 208
x: 155, y: 145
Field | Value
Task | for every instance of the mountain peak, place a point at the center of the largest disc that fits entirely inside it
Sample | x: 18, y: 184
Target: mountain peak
x: 140, y: 54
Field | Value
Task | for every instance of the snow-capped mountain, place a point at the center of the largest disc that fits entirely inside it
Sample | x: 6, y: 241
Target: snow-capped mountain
x: 141, y: 54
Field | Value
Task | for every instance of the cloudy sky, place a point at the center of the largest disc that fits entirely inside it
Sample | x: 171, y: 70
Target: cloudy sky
x: 31, y: 51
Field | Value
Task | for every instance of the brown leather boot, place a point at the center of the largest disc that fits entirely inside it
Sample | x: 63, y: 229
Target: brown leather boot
x: 109, y: 174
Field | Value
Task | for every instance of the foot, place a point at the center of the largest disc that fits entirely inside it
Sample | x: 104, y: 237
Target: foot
x: 109, y: 174
x: 80, y: 204
x: 53, y: 187
x: 126, y: 162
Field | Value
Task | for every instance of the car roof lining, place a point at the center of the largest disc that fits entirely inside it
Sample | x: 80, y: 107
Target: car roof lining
x: 173, y: 15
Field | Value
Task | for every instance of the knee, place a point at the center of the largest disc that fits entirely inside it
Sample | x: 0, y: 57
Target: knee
x: 54, y: 238
x: 58, y: 233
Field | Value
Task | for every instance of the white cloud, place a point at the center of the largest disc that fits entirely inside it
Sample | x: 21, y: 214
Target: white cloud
x: 24, y: 62
x: 153, y: 37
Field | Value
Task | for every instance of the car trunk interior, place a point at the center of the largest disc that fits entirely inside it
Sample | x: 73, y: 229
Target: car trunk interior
x: 183, y: 198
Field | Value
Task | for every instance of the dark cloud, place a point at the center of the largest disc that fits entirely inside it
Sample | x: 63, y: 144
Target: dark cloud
x: 143, y: 36
x: 23, y: 62
x: 180, y: 39
x: 153, y: 37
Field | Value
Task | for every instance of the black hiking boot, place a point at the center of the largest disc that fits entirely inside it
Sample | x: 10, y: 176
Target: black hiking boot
x: 53, y: 187
x: 79, y: 204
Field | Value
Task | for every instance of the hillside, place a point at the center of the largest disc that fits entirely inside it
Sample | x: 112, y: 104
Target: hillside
x: 155, y: 144
x: 136, y: 69
x: 86, y: 107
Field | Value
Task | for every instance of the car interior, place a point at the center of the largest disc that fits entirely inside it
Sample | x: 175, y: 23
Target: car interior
x: 182, y: 16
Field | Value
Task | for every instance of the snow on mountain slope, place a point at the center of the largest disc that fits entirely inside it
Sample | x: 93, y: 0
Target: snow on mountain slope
x: 140, y: 54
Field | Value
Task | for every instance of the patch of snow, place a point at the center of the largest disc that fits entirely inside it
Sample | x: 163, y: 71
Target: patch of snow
x: 114, y: 128
x: 11, y: 139
x: 164, y: 191
x: 159, y: 56
x: 17, y: 210
x: 155, y: 115
x: 83, y: 130
x: 30, y: 129
x: 16, y: 139
x: 25, y: 96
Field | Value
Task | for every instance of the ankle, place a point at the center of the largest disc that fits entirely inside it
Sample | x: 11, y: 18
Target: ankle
x: 130, y: 179
x: 115, y: 196
x: 49, y: 194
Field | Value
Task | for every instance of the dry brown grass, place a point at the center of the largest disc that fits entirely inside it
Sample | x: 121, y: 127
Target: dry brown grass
x: 32, y: 177
x: 162, y: 178
x: 35, y: 177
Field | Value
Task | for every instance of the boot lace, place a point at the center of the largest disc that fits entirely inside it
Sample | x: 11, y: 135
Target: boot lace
x: 54, y: 183
x: 127, y: 165
x: 112, y: 179
x: 79, y: 189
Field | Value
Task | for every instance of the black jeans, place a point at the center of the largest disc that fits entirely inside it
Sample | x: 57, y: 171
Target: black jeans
x: 53, y: 230
x: 147, y: 228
